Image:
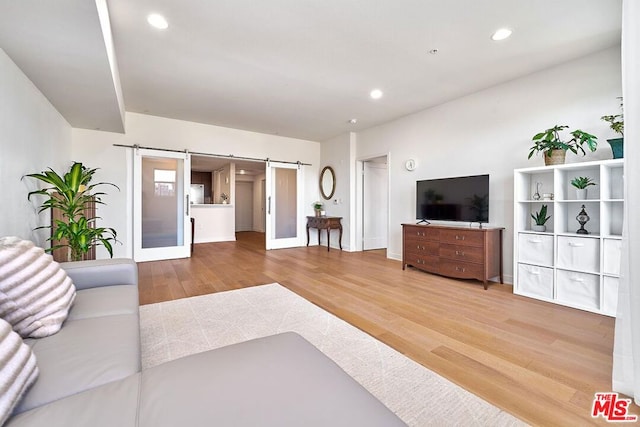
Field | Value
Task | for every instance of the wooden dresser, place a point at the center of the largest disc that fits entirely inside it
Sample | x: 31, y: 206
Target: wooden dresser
x: 459, y: 252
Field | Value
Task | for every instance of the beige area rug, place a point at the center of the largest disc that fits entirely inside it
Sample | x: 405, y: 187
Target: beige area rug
x: 417, y: 395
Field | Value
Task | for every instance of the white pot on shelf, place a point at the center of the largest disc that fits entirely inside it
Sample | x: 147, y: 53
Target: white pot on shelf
x: 539, y: 228
x: 581, y: 194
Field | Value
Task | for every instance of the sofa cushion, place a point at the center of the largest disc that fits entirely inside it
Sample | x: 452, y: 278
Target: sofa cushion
x: 110, y: 405
x: 85, y: 353
x: 104, y: 301
x: 35, y: 293
x: 18, y: 369
x: 281, y: 380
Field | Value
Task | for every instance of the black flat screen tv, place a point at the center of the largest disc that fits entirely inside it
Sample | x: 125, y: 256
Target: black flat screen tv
x: 464, y: 198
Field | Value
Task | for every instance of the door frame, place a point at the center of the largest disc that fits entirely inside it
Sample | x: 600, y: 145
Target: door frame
x: 359, y: 217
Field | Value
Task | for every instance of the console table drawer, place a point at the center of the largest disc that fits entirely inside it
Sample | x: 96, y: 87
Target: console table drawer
x: 462, y: 253
x: 462, y: 237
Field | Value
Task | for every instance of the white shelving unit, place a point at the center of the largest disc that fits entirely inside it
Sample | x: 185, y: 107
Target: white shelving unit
x: 560, y: 265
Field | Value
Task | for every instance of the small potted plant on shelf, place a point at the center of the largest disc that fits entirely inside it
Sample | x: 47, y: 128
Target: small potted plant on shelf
x: 616, y: 123
x: 540, y: 219
x: 555, y: 149
x: 317, y: 207
x: 581, y: 183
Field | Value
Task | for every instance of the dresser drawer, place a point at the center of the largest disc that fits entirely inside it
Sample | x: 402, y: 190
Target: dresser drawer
x: 534, y: 280
x: 423, y: 262
x: 462, y: 253
x: 578, y: 289
x: 421, y: 234
x: 462, y: 237
x: 535, y: 249
x: 579, y: 253
x: 424, y: 247
x: 460, y: 270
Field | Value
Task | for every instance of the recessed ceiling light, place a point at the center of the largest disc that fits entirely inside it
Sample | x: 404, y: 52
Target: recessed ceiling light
x: 353, y: 121
x: 157, y: 21
x: 376, y: 94
x: 501, y: 34
x: 433, y: 51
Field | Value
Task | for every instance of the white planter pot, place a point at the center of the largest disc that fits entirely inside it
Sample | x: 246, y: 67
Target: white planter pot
x: 539, y: 228
x: 581, y: 194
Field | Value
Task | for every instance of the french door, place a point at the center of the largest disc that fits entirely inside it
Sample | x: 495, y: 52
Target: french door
x: 161, y: 226
x: 284, y: 203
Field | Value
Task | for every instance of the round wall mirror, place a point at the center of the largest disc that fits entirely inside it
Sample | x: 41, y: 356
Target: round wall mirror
x: 327, y: 182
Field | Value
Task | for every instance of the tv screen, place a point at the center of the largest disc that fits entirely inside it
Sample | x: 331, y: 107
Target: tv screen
x: 464, y: 198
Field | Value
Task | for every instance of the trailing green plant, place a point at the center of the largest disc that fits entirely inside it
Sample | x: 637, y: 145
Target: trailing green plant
x: 541, y: 217
x: 549, y: 140
x: 72, y: 194
x: 616, y: 121
x: 582, y: 182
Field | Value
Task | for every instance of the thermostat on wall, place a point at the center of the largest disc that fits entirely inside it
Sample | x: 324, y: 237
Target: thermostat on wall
x: 410, y: 164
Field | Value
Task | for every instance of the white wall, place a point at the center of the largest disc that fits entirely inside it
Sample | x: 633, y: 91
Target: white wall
x: 339, y: 153
x: 33, y: 137
x: 96, y: 149
x: 490, y: 132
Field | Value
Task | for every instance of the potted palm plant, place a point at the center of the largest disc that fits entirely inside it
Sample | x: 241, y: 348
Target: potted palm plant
x: 616, y: 123
x: 72, y: 194
x: 555, y: 149
x: 581, y: 183
x: 540, y: 219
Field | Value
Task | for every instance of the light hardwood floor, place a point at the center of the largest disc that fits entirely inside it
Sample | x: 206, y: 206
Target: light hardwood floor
x: 541, y: 362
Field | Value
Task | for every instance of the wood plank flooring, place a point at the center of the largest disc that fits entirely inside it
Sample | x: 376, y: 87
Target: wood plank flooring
x: 541, y: 362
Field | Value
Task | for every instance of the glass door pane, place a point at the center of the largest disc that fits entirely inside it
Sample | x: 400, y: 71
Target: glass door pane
x: 161, y: 205
x: 284, y: 205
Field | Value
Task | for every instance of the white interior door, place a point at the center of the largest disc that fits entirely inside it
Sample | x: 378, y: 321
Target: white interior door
x: 284, y: 219
x: 244, y: 205
x: 161, y: 224
x: 375, y: 205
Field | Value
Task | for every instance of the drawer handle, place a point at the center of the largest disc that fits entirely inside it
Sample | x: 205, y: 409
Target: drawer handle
x: 460, y: 253
x: 534, y: 241
x: 577, y: 279
x: 461, y: 269
x: 459, y: 237
x: 535, y: 273
x: 576, y: 245
x: 420, y: 247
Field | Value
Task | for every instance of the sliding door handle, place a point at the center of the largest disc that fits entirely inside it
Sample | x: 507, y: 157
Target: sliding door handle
x: 187, y: 207
x: 269, y: 205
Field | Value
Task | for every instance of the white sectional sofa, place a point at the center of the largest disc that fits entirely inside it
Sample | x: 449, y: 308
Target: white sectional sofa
x: 90, y: 374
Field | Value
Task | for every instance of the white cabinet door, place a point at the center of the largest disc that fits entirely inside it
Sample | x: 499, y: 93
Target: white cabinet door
x: 535, y: 249
x: 610, y: 295
x: 611, y: 256
x: 580, y: 289
x: 579, y: 253
x: 534, y: 280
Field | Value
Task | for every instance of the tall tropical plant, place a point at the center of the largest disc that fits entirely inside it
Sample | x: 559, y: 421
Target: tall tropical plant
x: 72, y: 194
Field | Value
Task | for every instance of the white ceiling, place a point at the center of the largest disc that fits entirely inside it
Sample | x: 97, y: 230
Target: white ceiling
x: 298, y: 68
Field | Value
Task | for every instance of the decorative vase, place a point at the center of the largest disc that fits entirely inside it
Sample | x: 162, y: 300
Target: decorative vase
x: 539, y: 228
x: 556, y: 158
x: 617, y: 147
x: 318, y: 212
x: 581, y: 194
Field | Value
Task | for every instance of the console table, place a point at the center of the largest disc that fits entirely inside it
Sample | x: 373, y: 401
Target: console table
x: 460, y: 252
x: 325, y: 223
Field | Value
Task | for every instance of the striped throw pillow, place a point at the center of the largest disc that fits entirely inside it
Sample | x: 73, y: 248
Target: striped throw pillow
x: 35, y: 292
x: 18, y: 369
